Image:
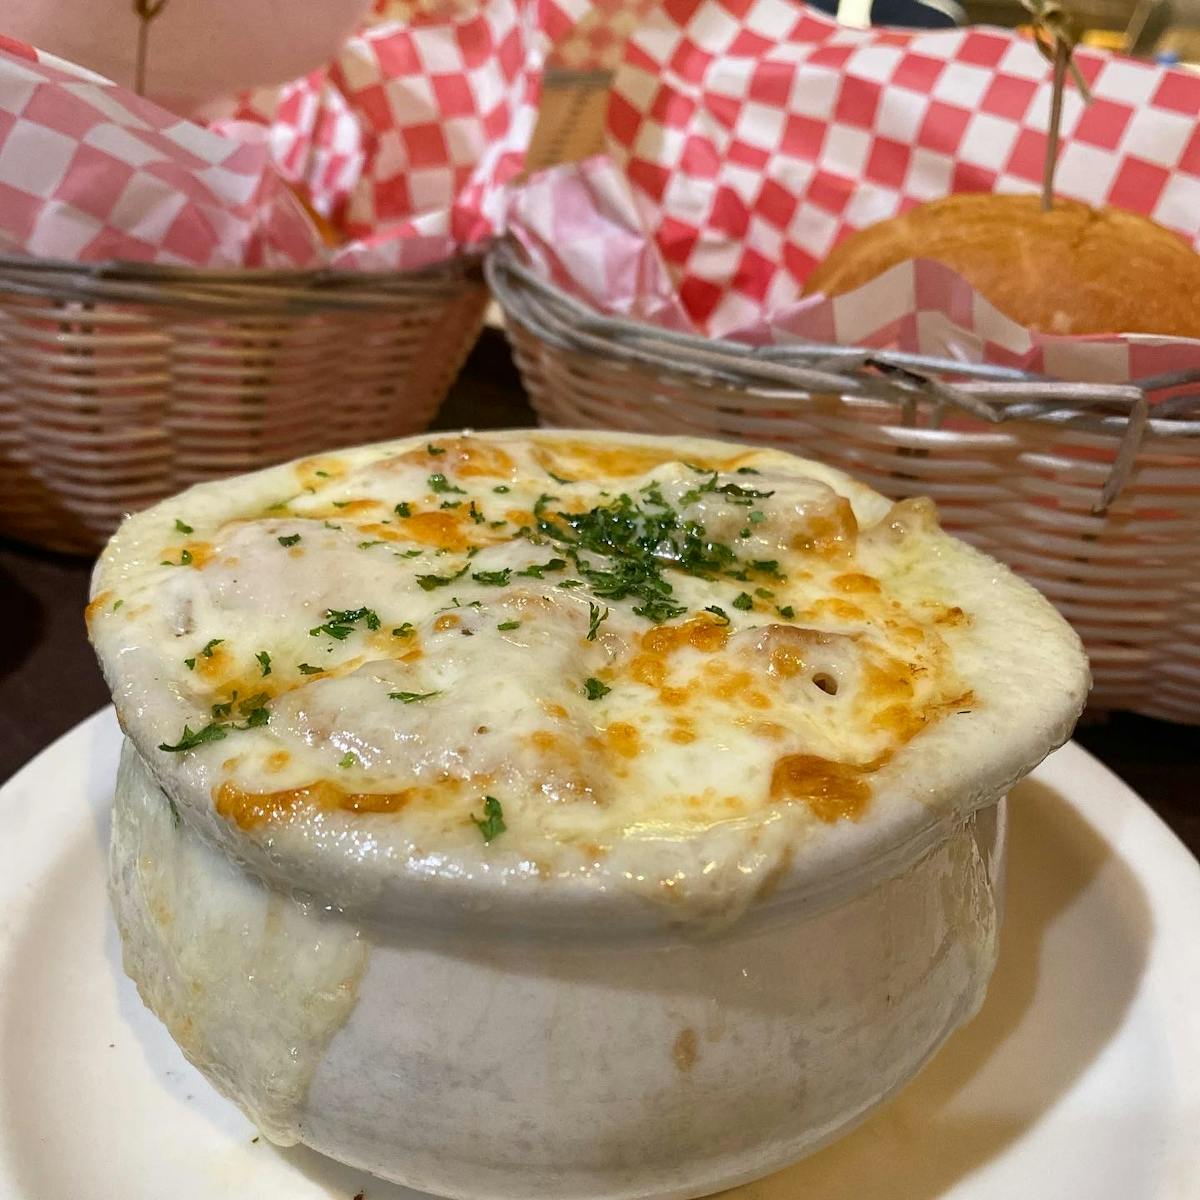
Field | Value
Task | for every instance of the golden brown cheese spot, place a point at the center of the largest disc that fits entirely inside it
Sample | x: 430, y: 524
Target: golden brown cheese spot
x: 707, y: 635
x: 199, y: 554
x: 216, y: 664
x: 855, y: 583
x: 441, y: 529
x: 685, y: 1049
x: 520, y: 516
x: 249, y: 810
x: 315, y: 472
x: 552, y: 709
x: 354, y: 508
x: 839, y: 610
x: 461, y: 456
x: 683, y: 732
x: 100, y: 601
x: 953, y: 617
x: 833, y: 791
x: 586, y: 460
x: 447, y: 621
x: 829, y: 535
x: 623, y: 739
x: 277, y: 760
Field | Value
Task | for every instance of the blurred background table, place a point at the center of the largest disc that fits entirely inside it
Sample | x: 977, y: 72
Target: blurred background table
x: 49, y: 679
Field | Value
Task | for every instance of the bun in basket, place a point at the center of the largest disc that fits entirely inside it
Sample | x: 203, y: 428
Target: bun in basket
x: 1073, y: 270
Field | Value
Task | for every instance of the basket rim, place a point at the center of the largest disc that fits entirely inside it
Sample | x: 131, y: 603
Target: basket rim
x: 231, y: 289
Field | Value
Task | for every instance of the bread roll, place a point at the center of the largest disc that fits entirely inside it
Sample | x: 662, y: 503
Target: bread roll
x: 1073, y: 270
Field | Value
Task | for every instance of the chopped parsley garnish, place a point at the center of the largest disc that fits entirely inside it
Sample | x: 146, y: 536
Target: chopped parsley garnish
x: 595, y: 616
x: 116, y: 604
x: 429, y: 582
x: 440, y: 485
x: 210, y: 646
x: 264, y: 661
x: 492, y: 823
x: 185, y: 557
x: 594, y: 689
x: 475, y: 514
x: 435, y: 450
x: 321, y: 474
x: 764, y: 594
x: 338, y: 622
x: 787, y: 612
x: 331, y: 525
x: 718, y: 612
x: 290, y: 540
x: 493, y: 578
x: 182, y: 527
x: 349, y: 759
x: 403, y: 509
x: 502, y: 489
x: 506, y: 625
x: 538, y: 570
x: 768, y: 566
x: 340, y: 503
x: 744, y: 601
x: 450, y: 504
x: 411, y: 697
x: 190, y: 663
x: 558, y: 478
x: 309, y: 669
x: 403, y: 631
x: 747, y: 471
x: 222, y: 710
x: 570, y: 583
x: 190, y: 739
x: 368, y: 545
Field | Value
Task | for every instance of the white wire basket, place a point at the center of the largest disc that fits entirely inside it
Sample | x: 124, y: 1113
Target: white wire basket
x: 1090, y: 491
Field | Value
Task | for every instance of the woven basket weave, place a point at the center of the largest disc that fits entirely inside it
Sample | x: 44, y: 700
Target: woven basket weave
x: 122, y: 383
x: 1077, y: 486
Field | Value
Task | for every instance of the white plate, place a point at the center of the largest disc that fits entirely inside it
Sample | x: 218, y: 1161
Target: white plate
x: 1080, y: 1079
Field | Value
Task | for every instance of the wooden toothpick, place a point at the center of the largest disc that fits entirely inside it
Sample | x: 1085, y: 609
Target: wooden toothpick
x: 146, y: 11
x: 1055, y: 35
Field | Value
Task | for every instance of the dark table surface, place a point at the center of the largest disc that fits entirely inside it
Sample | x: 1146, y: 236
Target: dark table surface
x: 49, y: 680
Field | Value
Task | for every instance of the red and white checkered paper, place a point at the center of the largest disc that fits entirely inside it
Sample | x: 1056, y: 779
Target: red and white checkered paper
x: 747, y: 137
x: 405, y: 143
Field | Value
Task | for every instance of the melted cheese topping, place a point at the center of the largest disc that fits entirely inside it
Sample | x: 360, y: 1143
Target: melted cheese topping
x: 595, y: 640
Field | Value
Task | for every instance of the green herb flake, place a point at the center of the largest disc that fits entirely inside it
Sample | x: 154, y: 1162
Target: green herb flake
x: 290, y: 540
x: 594, y: 689
x: 403, y: 509
x: 786, y: 611
x: 368, y: 545
x: 222, y: 710
x: 340, y: 503
x: 182, y: 527
x: 403, y: 631
x: 309, y: 669
x: 331, y: 525
x: 538, y: 570
x: 339, y: 621
x: 349, y: 759
x: 116, y: 604
x: 190, y: 663
x: 595, y: 616
x: 440, y: 485
x: 429, y: 582
x: 570, y: 583
x: 744, y: 601
x: 190, y: 739
x: 747, y: 471
x: 210, y: 646
x: 491, y: 825
x: 264, y: 662
x: 185, y: 557
x: 558, y: 478
x: 764, y: 594
x: 493, y: 578
x: 507, y: 625
x: 411, y: 697
x: 475, y: 515
x: 502, y: 489
x: 718, y: 612
x: 435, y: 450
x: 321, y: 474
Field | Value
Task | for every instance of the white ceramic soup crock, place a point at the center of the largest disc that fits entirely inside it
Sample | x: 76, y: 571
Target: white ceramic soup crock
x: 486, y: 1057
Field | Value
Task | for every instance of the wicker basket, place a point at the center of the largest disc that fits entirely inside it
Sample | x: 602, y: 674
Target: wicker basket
x: 122, y: 383
x: 1077, y: 486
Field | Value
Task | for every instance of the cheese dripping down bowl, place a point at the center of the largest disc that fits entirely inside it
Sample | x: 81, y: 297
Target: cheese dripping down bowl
x: 556, y: 814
